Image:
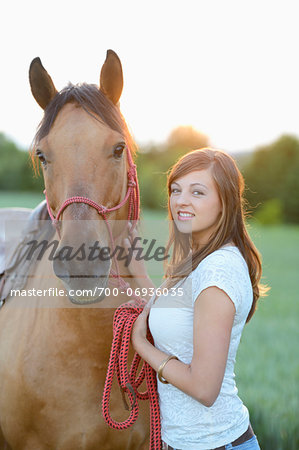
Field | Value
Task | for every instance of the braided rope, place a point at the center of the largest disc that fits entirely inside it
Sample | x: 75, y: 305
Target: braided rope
x: 124, y: 318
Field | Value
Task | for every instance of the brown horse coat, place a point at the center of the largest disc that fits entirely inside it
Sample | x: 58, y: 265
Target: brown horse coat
x: 53, y: 355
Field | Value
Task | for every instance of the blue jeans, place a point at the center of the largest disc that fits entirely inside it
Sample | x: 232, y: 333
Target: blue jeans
x: 251, y: 444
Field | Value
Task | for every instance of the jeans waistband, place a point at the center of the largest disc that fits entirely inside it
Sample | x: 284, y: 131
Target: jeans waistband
x: 243, y: 438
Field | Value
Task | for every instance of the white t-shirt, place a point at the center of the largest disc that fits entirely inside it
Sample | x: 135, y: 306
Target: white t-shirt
x: 186, y: 423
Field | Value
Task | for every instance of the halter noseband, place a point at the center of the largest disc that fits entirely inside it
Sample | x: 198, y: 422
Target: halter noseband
x: 133, y: 214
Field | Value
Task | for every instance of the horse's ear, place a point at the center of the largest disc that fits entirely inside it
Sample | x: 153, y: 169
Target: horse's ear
x: 111, y: 79
x: 41, y: 83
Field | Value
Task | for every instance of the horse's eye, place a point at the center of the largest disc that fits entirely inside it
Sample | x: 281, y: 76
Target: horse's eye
x: 118, y: 150
x: 41, y: 157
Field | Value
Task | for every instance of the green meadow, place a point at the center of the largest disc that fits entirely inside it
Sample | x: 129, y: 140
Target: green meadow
x: 19, y: 199
x: 267, y: 366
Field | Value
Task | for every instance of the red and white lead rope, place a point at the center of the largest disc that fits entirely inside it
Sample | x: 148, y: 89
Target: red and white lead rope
x: 128, y: 380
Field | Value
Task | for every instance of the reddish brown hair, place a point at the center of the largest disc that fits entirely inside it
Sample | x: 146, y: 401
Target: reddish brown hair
x: 231, y: 227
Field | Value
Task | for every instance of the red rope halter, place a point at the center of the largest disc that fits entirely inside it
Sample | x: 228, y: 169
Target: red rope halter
x: 133, y: 213
x: 124, y: 318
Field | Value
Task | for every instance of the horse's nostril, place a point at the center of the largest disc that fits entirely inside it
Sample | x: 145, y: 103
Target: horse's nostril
x: 61, y: 271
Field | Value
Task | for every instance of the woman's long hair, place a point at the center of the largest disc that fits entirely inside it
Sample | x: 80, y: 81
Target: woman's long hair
x: 231, y: 227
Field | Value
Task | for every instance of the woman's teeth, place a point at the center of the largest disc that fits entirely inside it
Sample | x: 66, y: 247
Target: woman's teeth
x: 181, y: 214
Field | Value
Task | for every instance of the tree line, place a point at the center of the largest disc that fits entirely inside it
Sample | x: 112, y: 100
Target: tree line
x: 16, y: 173
x: 271, y: 173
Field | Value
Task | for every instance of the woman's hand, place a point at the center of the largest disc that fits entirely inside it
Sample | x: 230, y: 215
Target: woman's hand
x: 139, y: 330
x: 136, y: 266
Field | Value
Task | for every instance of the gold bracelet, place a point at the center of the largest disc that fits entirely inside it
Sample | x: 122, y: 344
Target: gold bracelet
x: 161, y: 367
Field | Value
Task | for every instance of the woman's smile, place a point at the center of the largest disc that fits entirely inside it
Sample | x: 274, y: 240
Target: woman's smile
x: 185, y: 215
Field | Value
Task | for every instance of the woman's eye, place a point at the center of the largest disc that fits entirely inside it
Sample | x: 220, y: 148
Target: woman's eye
x: 118, y: 150
x: 41, y: 157
x: 174, y: 191
x: 197, y: 192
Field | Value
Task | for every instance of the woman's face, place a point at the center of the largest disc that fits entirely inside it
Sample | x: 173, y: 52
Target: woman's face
x: 195, y: 204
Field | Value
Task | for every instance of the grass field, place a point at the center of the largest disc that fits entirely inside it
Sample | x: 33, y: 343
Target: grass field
x: 21, y: 199
x: 267, y: 367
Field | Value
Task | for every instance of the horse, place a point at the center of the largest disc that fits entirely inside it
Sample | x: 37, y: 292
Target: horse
x: 54, y: 350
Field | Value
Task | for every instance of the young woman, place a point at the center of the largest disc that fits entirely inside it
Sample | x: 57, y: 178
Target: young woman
x: 213, y: 287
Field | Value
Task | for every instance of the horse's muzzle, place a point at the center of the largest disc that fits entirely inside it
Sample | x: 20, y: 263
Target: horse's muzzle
x: 85, y: 282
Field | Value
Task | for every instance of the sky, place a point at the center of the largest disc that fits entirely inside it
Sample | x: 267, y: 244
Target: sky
x: 228, y: 68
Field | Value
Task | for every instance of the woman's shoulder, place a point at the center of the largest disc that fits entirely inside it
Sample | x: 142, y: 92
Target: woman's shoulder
x: 229, y: 257
x: 227, y: 269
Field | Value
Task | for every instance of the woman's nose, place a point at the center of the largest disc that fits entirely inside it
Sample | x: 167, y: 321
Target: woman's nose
x: 183, y: 199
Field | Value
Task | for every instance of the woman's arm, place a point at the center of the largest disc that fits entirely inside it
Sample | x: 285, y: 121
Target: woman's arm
x: 214, y: 314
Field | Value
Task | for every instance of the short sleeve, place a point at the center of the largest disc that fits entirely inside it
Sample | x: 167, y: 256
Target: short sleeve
x: 220, y: 269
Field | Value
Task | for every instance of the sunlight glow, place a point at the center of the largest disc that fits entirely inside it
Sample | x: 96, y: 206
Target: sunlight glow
x: 227, y: 68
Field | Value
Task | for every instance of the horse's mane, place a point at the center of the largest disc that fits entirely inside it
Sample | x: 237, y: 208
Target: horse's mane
x: 94, y: 102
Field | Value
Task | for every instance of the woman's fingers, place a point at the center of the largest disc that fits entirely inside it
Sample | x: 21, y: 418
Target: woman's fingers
x: 150, y: 303
x: 126, y: 243
x: 132, y: 231
x: 147, y: 307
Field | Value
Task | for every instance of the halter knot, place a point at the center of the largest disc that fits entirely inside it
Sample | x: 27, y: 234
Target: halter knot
x: 102, y: 209
x: 131, y: 183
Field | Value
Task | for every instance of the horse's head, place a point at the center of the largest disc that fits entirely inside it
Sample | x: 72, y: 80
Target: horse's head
x: 82, y: 144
